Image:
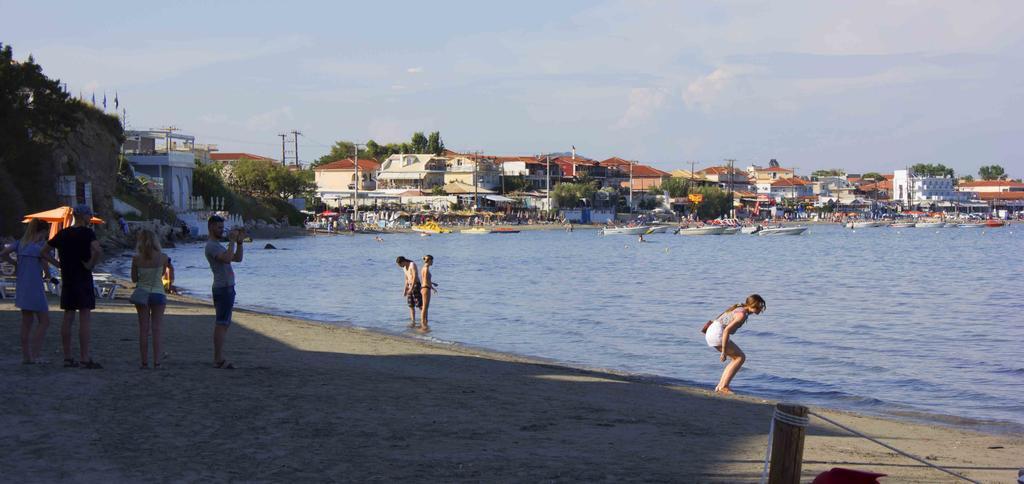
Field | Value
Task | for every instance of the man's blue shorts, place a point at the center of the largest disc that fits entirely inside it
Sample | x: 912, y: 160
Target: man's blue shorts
x: 223, y: 303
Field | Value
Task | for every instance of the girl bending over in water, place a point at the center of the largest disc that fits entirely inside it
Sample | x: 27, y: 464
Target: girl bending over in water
x: 719, y: 332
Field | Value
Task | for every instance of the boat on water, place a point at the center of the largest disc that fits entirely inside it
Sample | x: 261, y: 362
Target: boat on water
x: 903, y: 225
x: 750, y: 229
x: 504, y: 230
x: 994, y: 223
x: 971, y: 225
x: 639, y: 230
x: 930, y: 225
x: 731, y: 230
x: 864, y: 225
x: 706, y: 230
x: 657, y: 229
x: 795, y: 230
x: 476, y: 231
x: 430, y: 228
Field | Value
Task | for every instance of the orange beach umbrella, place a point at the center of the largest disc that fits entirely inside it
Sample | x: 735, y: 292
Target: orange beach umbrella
x: 59, y: 218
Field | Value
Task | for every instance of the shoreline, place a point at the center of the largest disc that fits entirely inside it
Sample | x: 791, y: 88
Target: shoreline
x: 312, y: 399
x: 902, y: 414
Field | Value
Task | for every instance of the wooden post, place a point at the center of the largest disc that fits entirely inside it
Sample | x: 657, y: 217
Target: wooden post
x: 787, y: 447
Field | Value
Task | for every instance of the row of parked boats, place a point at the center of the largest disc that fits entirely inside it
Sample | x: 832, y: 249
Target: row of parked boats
x: 926, y: 224
x: 706, y: 230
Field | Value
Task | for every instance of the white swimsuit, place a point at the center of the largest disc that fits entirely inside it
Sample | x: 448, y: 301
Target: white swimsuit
x: 714, y: 334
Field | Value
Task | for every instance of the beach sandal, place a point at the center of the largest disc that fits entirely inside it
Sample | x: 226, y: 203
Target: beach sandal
x: 70, y: 363
x: 91, y: 365
x: 224, y: 365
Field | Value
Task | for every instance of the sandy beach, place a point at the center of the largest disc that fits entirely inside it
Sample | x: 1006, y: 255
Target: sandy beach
x: 314, y: 402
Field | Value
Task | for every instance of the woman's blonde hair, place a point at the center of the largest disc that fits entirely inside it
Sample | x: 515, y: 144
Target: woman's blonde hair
x: 752, y: 300
x: 147, y: 244
x: 32, y: 230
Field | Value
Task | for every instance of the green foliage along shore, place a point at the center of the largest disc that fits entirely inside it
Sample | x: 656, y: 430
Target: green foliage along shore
x: 45, y: 133
x: 419, y: 143
x: 255, y: 189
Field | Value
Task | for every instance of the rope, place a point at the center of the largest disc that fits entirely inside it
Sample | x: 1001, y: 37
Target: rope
x: 883, y: 444
x: 786, y: 418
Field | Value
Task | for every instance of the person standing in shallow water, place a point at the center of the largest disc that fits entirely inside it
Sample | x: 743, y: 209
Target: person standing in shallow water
x: 427, y: 285
x: 412, y: 293
x: 719, y: 331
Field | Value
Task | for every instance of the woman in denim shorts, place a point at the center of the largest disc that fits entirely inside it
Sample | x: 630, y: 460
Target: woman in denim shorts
x: 149, y: 299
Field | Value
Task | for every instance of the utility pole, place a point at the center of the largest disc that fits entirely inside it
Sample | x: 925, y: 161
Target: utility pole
x: 296, y: 134
x: 282, y: 135
x: 547, y: 171
x: 630, y: 187
x: 732, y: 179
x: 355, y: 166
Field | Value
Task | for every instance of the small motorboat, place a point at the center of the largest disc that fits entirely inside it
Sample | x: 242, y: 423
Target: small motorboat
x: 994, y: 223
x: 971, y: 225
x: 731, y: 230
x: 706, y: 230
x: 657, y: 229
x: 504, y: 230
x: 863, y: 225
x: 903, y: 225
x: 638, y: 230
x: 930, y: 225
x: 476, y: 231
x: 797, y: 230
x: 750, y: 229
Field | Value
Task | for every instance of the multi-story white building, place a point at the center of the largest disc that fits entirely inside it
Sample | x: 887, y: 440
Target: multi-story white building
x: 411, y: 172
x: 912, y: 189
x: 167, y: 159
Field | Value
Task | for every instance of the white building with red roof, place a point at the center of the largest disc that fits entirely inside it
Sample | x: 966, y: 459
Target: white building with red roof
x: 336, y: 181
x: 991, y: 186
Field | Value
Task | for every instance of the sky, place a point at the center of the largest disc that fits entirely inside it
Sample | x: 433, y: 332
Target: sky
x: 865, y: 86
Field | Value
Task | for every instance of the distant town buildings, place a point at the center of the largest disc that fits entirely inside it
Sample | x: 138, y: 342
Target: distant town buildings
x: 167, y: 159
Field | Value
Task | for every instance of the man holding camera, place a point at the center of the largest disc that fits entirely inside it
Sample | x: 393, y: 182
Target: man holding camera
x: 220, y: 259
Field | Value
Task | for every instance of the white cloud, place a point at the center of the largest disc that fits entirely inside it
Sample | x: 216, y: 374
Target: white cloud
x: 643, y: 103
x: 270, y: 120
x: 720, y: 88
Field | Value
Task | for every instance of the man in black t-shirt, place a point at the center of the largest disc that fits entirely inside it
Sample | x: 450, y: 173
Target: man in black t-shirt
x: 79, y: 252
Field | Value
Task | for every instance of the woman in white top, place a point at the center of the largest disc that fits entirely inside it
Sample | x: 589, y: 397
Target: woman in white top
x: 719, y: 331
x: 149, y: 298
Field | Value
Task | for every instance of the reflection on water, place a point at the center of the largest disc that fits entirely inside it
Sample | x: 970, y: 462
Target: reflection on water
x: 905, y: 319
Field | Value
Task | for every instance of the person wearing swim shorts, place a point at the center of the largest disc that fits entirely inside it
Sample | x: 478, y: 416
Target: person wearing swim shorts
x: 413, y: 296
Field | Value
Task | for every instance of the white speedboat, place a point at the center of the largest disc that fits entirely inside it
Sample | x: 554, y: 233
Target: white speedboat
x: 971, y: 225
x: 706, y: 230
x: 731, y: 230
x: 750, y: 229
x: 796, y: 230
x: 625, y: 230
x: 903, y: 225
x: 930, y: 225
x: 657, y: 229
x: 863, y: 225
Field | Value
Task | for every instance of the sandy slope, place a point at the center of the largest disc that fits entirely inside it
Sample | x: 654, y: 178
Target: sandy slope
x: 315, y: 402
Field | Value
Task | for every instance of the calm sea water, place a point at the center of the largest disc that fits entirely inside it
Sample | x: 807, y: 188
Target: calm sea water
x: 878, y: 320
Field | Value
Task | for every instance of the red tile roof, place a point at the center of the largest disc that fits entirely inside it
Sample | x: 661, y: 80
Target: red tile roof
x: 989, y: 196
x: 647, y: 171
x: 788, y: 182
x: 346, y: 164
x: 615, y: 161
x: 238, y: 156
x: 721, y: 170
x: 775, y: 168
x: 992, y: 183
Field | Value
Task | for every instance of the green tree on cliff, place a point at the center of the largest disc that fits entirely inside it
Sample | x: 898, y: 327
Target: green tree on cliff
x: 992, y: 172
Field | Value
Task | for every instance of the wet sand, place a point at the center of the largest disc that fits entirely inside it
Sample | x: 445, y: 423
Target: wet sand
x: 317, y: 402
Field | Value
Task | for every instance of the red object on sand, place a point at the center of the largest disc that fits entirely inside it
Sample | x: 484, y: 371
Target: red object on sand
x: 839, y: 475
